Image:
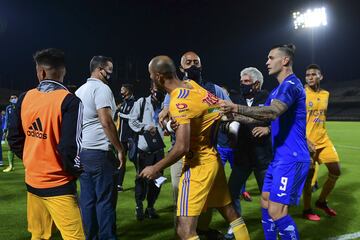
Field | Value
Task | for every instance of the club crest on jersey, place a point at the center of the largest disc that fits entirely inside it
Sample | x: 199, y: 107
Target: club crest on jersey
x: 210, y: 99
x: 311, y: 104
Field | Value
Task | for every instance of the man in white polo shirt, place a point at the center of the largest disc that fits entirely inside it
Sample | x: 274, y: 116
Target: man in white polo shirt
x: 98, y: 182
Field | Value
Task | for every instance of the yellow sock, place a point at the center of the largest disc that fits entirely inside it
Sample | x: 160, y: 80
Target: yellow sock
x: 239, y: 229
x: 194, y: 238
x: 315, y: 177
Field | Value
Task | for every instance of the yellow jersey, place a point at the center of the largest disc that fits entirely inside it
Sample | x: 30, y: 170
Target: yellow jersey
x: 316, y: 108
x: 196, y: 106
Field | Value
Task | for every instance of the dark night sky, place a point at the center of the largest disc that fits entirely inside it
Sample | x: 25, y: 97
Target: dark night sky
x: 228, y: 36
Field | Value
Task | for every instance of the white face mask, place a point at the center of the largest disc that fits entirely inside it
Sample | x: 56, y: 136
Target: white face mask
x: 13, y: 100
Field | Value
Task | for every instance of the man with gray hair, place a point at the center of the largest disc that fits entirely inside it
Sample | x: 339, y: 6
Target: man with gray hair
x: 252, y: 151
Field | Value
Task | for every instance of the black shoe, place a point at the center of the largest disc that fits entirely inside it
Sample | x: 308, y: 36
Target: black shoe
x: 120, y: 188
x: 210, y: 234
x: 139, y: 213
x: 151, y: 213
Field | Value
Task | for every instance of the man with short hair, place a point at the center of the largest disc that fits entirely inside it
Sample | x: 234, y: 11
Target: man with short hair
x: 125, y: 132
x: 9, y: 112
x: 203, y: 182
x: 253, y: 149
x: 191, y: 67
x: 100, y: 139
x: 45, y: 132
x: 144, y: 118
x: 322, y: 149
x: 286, y: 175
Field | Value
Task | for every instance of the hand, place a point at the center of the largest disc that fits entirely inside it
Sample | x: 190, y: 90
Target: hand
x: 174, y: 124
x: 122, y: 159
x: 311, y: 147
x: 260, y: 131
x: 152, y: 130
x: 149, y: 172
x: 227, y: 106
x: 164, y: 114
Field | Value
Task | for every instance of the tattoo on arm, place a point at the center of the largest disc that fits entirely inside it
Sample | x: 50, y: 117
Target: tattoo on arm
x: 248, y: 120
x: 266, y: 113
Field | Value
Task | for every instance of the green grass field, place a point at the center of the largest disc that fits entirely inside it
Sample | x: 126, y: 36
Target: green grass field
x: 345, y: 199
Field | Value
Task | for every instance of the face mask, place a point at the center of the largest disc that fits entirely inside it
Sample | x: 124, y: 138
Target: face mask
x: 194, y: 73
x: 107, y: 75
x: 247, y: 90
x: 13, y: 100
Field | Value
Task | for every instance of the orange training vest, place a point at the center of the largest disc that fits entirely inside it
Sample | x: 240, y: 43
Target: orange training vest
x: 41, y: 120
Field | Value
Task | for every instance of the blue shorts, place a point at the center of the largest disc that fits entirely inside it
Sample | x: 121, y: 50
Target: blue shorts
x: 285, y: 181
x: 226, y: 154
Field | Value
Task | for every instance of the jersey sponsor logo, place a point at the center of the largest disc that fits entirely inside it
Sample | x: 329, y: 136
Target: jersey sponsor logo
x: 210, y: 99
x: 183, y: 107
x: 36, y: 130
x: 317, y: 113
x: 184, y: 93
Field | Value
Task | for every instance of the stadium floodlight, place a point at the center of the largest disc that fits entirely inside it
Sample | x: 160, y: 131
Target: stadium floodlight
x: 311, y: 18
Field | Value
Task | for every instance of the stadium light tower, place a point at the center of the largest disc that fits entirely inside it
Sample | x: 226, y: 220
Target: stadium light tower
x: 310, y: 19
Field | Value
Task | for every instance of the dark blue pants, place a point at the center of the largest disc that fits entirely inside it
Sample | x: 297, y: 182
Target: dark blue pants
x: 146, y: 188
x: 98, y: 194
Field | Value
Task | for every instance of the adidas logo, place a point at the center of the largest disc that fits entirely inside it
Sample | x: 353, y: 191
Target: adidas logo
x: 35, y: 130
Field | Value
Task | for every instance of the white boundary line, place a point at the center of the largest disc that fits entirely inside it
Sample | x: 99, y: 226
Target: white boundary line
x: 346, y: 236
x: 348, y: 147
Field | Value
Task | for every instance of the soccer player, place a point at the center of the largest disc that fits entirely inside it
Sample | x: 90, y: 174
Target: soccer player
x: 202, y: 183
x: 323, y: 150
x: 286, y: 175
x: 191, y: 66
x: 45, y: 132
x: 8, y: 115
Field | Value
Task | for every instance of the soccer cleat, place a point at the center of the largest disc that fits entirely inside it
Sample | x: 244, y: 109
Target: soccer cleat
x: 310, y: 215
x: 151, y: 213
x: 210, y: 234
x: 9, y: 169
x: 246, y: 196
x: 324, y: 206
x: 139, y: 213
x: 229, y: 235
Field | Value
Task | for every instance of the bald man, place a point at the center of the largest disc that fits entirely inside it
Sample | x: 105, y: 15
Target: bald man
x: 203, y: 182
x: 191, y: 67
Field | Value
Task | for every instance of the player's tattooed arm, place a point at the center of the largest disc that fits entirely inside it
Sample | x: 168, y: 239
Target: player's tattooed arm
x: 265, y: 113
x: 249, y: 120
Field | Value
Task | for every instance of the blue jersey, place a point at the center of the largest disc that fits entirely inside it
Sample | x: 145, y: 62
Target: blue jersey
x: 288, y: 131
x: 10, y: 110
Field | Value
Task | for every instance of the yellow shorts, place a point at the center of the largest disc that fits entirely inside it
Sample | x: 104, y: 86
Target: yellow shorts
x: 326, y: 154
x: 202, y: 185
x: 43, y: 212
